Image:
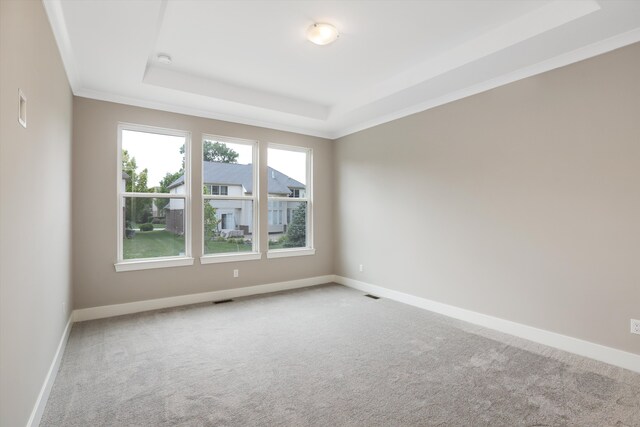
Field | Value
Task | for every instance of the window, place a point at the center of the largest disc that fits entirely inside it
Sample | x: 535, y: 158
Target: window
x: 297, y: 193
x: 153, y: 198
x: 290, y: 221
x: 275, y: 213
x: 219, y: 190
x: 230, y: 228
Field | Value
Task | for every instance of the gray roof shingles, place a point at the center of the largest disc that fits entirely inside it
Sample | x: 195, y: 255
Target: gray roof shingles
x: 235, y: 174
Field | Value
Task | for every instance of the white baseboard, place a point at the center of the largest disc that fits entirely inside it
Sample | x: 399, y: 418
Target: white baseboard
x: 588, y: 349
x: 41, y: 402
x: 83, y: 314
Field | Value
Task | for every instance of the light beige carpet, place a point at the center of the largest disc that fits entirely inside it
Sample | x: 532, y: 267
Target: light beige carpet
x: 322, y: 356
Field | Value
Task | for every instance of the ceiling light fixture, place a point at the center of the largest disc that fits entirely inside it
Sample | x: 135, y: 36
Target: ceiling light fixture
x: 164, y: 58
x: 322, y: 34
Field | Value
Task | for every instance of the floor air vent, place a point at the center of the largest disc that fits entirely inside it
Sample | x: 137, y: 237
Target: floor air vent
x: 372, y: 296
x: 223, y: 301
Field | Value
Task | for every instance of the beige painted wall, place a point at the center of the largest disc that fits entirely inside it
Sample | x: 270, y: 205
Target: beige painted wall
x: 96, y: 282
x: 35, y: 206
x: 522, y: 202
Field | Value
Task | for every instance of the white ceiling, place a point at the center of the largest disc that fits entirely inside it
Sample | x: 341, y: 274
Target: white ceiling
x: 249, y: 61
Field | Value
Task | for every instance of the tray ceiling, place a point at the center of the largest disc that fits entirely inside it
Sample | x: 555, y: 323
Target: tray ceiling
x: 249, y: 62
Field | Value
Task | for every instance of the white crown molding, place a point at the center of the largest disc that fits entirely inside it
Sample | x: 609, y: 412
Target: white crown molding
x: 534, y: 23
x: 155, y: 105
x: 577, y: 346
x: 83, y: 314
x: 53, y: 8
x: 563, y: 60
x: 574, y: 56
x: 45, y: 390
x: 275, y: 112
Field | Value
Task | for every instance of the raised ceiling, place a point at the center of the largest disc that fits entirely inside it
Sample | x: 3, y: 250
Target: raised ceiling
x: 249, y: 61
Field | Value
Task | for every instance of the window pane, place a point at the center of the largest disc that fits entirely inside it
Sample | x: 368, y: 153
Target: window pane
x: 292, y: 232
x: 228, y: 226
x: 276, y: 220
x: 152, y: 162
x: 287, y: 173
x: 153, y: 227
x: 227, y: 168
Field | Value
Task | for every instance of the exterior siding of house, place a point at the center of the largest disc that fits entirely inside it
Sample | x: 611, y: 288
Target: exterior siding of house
x: 175, y: 221
x: 238, y: 214
x: 242, y: 211
x: 174, y: 212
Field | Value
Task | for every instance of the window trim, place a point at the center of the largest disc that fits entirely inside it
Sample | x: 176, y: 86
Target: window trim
x: 159, y: 262
x: 309, y: 249
x: 255, y: 253
x: 230, y: 257
x: 152, y: 263
x: 289, y: 252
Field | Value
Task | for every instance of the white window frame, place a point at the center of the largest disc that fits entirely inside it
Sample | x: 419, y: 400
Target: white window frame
x: 309, y: 249
x: 255, y: 253
x: 159, y: 262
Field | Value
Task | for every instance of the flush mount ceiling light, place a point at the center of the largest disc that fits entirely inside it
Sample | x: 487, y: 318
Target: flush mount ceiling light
x: 164, y: 58
x: 322, y: 34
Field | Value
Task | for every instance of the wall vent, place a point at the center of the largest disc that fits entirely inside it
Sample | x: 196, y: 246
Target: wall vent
x: 372, y: 296
x: 223, y: 301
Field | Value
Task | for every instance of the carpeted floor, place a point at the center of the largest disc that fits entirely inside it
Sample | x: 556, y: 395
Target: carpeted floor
x: 324, y: 356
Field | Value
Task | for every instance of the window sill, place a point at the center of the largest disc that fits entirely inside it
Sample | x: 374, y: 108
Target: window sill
x: 213, y: 259
x: 284, y: 253
x: 151, y: 264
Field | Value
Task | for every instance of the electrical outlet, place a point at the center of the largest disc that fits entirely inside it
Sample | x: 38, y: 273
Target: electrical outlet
x: 235, y: 273
x: 361, y: 268
x: 635, y: 326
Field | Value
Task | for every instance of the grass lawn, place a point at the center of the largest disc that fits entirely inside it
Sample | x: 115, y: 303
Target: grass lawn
x: 221, y: 247
x: 151, y: 244
x: 157, y: 243
x: 275, y: 245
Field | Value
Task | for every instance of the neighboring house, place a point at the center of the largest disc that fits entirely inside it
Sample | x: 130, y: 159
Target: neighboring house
x: 231, y: 179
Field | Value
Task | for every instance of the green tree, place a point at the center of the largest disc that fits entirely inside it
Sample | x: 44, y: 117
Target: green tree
x: 296, y: 236
x: 141, y: 185
x: 137, y: 182
x: 211, y: 221
x: 169, y: 179
x: 138, y: 210
x: 143, y: 213
x: 165, y: 182
x: 213, y: 151
x: 129, y: 167
x: 218, y: 152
